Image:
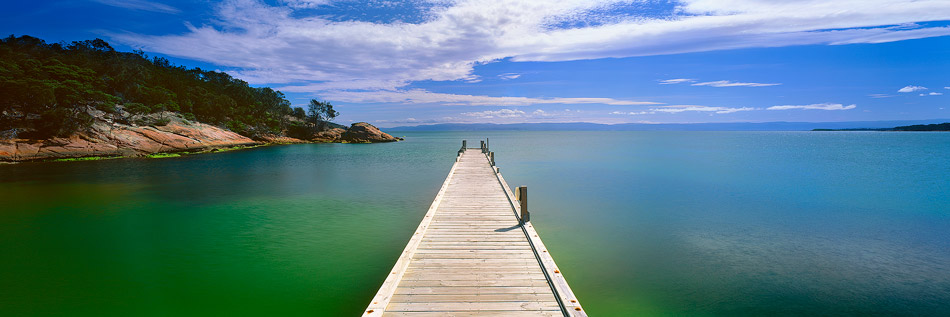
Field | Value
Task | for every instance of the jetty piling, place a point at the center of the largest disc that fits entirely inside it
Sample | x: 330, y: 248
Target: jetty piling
x: 475, y: 253
x: 521, y: 194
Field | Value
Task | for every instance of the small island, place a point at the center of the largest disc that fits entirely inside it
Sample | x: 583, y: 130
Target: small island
x: 86, y: 100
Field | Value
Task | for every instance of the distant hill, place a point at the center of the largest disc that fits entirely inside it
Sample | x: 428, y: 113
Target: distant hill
x: 917, y: 127
x: 735, y: 126
x: 925, y: 127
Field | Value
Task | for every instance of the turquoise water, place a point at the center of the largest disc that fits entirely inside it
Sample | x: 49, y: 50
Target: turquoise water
x: 648, y: 223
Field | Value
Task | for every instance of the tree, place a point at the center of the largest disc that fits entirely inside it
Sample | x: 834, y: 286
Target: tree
x: 48, y: 87
x: 320, y: 112
x: 299, y: 113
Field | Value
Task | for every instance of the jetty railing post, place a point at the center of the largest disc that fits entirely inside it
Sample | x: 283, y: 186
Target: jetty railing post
x: 491, y: 157
x: 464, y: 144
x: 521, y: 194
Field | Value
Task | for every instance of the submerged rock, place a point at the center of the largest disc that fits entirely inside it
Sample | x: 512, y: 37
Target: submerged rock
x: 362, y: 132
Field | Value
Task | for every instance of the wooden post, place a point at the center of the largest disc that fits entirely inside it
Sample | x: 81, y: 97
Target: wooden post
x: 483, y: 146
x: 522, y: 195
x: 491, y: 156
x: 487, y: 144
x: 464, y: 144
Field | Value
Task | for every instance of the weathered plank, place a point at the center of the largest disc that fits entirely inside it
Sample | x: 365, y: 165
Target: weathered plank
x: 472, y: 290
x: 469, y: 306
x: 480, y: 313
x: 434, y: 298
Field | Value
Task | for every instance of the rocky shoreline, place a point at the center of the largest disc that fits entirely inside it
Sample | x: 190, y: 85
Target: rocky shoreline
x: 109, y: 138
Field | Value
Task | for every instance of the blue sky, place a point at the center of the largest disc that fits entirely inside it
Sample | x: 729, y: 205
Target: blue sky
x: 397, y: 63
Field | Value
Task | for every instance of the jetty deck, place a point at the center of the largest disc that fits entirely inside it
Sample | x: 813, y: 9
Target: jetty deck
x: 473, y: 255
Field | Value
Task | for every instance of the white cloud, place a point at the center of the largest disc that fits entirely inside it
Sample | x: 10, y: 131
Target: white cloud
x: 633, y: 113
x: 305, y: 4
x: 932, y: 94
x: 503, y: 113
x: 880, y: 96
x: 675, y: 81
x: 419, y: 121
x: 493, y: 116
x: 143, y: 5
x: 726, y: 83
x: 267, y: 44
x: 685, y: 108
x: 912, y: 88
x: 420, y: 96
x: 541, y: 113
x: 723, y: 110
x: 509, y: 76
x: 817, y: 106
x: 946, y: 87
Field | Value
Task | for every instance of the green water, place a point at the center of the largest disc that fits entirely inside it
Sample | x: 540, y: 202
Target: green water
x: 645, y: 223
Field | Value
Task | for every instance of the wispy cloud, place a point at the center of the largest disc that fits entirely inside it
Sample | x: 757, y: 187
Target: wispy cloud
x: 541, y: 113
x: 912, y: 88
x: 269, y: 44
x: 686, y: 108
x: 817, y: 106
x: 143, y: 5
x: 880, y: 96
x: 632, y: 113
x: 495, y: 116
x: 503, y: 113
x: 509, y: 76
x: 726, y: 83
x: 718, y: 83
x: 932, y: 94
x: 723, y: 110
x: 420, y: 96
x: 305, y: 4
x: 675, y: 81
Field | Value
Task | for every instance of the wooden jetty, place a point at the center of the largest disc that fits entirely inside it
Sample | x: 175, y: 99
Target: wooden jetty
x: 475, y: 253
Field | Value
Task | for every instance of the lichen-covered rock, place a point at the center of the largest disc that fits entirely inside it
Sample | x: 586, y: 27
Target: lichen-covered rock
x: 109, y: 138
x: 362, y: 132
x: 278, y: 139
x: 330, y: 135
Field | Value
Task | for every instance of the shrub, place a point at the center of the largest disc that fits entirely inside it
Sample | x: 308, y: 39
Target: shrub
x: 161, y: 122
x: 137, y: 108
x: 237, y: 127
x: 298, y: 130
x: 106, y: 107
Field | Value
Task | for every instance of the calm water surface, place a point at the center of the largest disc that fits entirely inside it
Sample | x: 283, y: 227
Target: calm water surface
x: 647, y: 223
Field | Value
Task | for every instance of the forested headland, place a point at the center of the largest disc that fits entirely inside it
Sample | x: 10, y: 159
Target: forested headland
x: 85, y: 98
x: 47, y: 86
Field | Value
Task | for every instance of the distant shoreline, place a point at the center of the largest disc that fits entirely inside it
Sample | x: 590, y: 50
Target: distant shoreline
x: 728, y: 126
x: 938, y: 127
